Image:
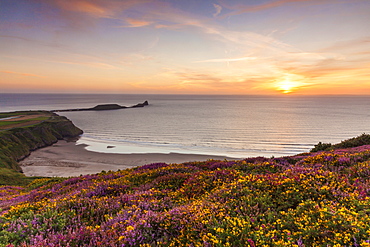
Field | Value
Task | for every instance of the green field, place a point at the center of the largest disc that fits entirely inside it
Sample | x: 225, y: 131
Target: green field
x: 22, y: 119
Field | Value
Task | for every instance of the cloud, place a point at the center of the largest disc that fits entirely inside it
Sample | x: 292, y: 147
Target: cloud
x: 351, y: 57
x: 327, y: 71
x: 271, y: 57
x: 83, y: 14
x: 242, y: 8
x: 218, y: 9
x: 359, y: 43
x: 93, y: 8
x: 22, y: 74
x: 213, y: 81
x: 166, y: 17
x: 89, y: 64
x: 134, y: 58
x: 74, y: 59
x: 133, y: 13
x: 218, y: 60
x: 34, y: 41
x: 137, y: 23
x: 332, y: 69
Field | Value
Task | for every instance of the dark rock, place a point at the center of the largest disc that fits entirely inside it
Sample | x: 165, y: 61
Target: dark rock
x: 141, y: 105
x: 107, y: 107
x: 104, y: 107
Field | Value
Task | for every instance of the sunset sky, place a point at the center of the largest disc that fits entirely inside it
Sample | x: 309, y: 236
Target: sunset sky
x: 185, y: 46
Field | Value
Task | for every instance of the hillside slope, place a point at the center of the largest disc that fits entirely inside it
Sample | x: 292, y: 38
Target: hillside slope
x: 19, y: 137
x: 313, y: 199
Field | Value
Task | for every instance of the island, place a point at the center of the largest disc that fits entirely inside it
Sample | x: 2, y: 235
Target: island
x: 105, y: 107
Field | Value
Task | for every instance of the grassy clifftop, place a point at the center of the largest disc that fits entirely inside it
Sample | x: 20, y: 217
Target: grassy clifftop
x: 23, y: 132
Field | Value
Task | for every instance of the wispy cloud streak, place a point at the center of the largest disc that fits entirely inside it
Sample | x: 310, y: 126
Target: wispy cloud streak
x: 218, y: 9
x: 243, y: 8
x: 22, y: 74
x: 218, y: 60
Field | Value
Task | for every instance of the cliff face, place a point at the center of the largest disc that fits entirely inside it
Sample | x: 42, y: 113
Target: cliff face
x: 17, y: 143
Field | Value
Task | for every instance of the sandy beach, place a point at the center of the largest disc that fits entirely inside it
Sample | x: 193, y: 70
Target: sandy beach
x: 66, y: 159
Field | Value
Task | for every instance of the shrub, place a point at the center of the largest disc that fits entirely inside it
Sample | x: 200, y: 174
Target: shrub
x: 321, y: 147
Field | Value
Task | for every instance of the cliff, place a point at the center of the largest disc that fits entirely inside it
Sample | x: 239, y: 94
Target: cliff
x: 16, y: 143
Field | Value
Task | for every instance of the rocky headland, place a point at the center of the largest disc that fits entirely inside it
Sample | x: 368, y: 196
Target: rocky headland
x: 105, y: 107
x: 25, y: 131
x: 17, y: 141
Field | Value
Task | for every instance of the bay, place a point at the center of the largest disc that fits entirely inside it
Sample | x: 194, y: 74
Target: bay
x: 232, y: 125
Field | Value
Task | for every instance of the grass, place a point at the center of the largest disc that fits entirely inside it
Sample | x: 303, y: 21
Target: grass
x: 39, y: 117
x: 8, y: 114
x: 5, y: 123
x: 17, y: 113
x: 13, y: 178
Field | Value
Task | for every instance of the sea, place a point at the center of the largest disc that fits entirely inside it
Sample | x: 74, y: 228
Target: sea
x: 237, y: 126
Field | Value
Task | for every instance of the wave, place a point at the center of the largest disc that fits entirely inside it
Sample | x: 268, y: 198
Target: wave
x: 105, y: 145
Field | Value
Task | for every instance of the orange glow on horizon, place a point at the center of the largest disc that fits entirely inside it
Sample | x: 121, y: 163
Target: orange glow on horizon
x: 289, y: 84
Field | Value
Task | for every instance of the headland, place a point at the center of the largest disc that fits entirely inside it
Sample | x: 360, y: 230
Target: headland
x: 42, y: 143
x: 104, y: 107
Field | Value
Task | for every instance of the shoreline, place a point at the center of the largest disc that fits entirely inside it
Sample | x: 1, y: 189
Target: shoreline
x: 117, y: 147
x: 67, y: 159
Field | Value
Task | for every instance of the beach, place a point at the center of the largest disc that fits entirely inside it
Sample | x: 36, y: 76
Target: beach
x: 66, y: 159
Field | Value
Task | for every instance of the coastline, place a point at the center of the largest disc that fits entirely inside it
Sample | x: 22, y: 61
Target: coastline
x: 117, y: 147
x: 67, y: 159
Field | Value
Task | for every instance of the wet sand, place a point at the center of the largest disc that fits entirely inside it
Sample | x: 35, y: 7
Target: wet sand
x: 66, y: 159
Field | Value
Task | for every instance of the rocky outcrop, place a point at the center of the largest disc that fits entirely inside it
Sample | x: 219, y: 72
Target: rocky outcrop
x: 140, y: 105
x: 105, y: 107
x: 17, y: 143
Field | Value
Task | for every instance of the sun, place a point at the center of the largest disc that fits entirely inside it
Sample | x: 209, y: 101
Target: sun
x: 289, y: 84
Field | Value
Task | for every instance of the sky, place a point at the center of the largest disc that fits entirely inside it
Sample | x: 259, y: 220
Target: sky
x: 185, y: 46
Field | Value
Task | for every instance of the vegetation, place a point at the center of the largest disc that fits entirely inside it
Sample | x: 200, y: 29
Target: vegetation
x: 321, y: 147
x: 14, y: 119
x: 363, y: 139
x: 11, y: 177
x: 38, y: 129
x: 313, y: 199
